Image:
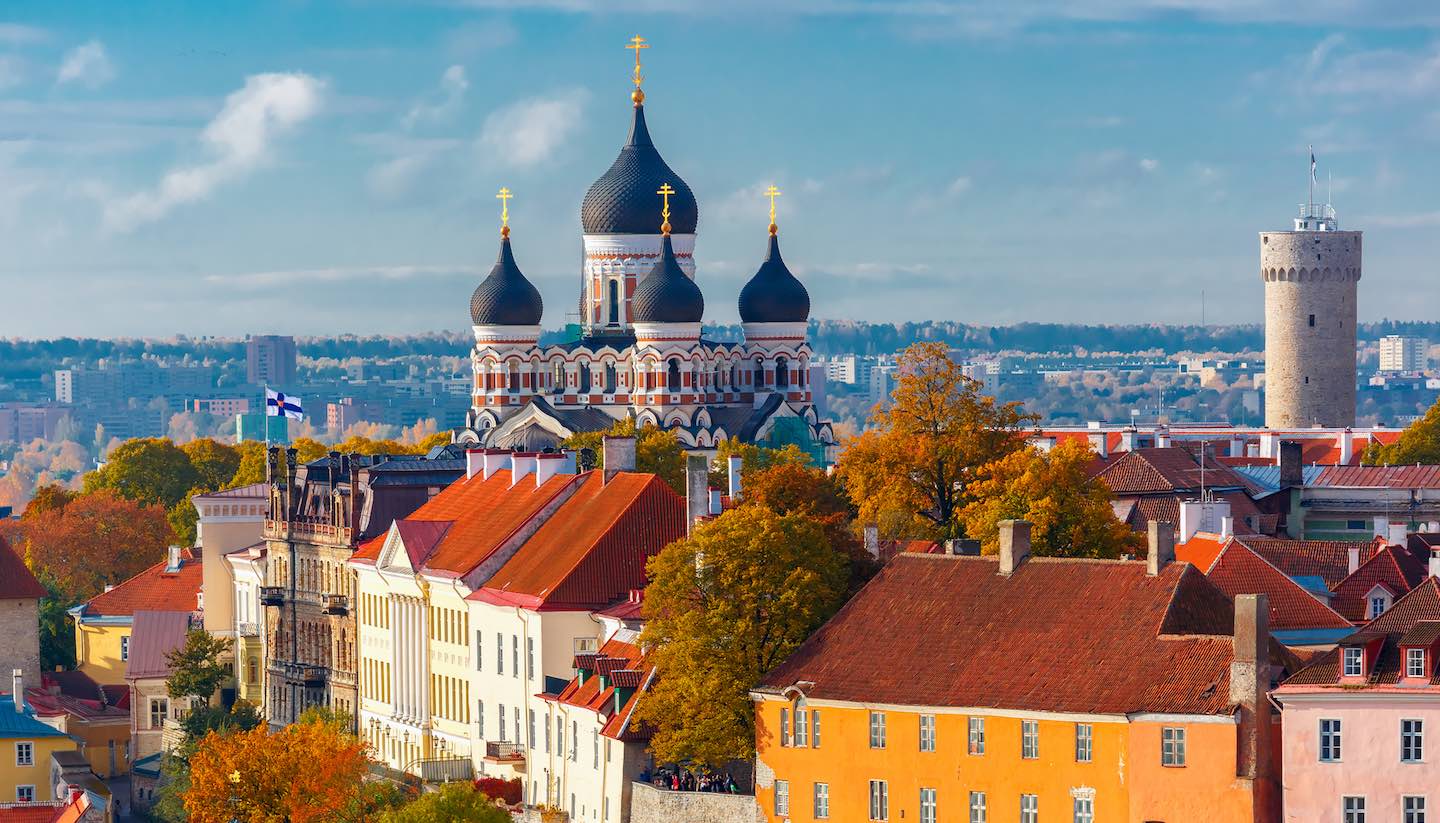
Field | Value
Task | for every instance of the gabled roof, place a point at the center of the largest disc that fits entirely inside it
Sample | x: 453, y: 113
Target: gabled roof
x: 155, y: 635
x: 1391, y: 566
x: 1058, y: 635
x: 420, y: 537
x: 153, y: 589
x: 254, y: 490
x: 1239, y: 570
x: 1422, y: 603
x: 16, y: 581
x: 1326, y: 559
x: 1151, y: 471
x: 1388, y: 477
x: 623, y: 662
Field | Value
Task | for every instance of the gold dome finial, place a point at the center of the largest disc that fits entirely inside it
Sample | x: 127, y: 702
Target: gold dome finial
x: 637, y: 43
x: 504, y: 198
x: 772, y: 193
x: 665, y: 191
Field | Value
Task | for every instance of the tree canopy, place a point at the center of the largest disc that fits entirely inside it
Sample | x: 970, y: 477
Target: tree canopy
x: 454, y: 802
x: 724, y: 606
x: 657, y: 450
x: 197, y: 668
x: 146, y: 470
x: 1419, y: 444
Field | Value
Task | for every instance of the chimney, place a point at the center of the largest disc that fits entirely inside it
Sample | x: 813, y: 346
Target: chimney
x: 1100, y: 442
x: 1352, y: 561
x: 1292, y: 473
x: 1250, y: 684
x: 493, y: 460
x: 1237, y: 446
x: 1014, y: 545
x: 1398, y: 533
x: 17, y: 689
x: 474, y: 462
x: 572, y: 462
x: 521, y: 465
x: 872, y: 540
x: 717, y: 505
x: 1227, y: 527
x: 549, y: 465
x: 697, y: 488
x: 1435, y: 564
x: 962, y: 548
x: 1127, y: 439
x: 1382, y: 525
x: 1346, y: 443
x: 617, y: 455
x: 1162, y: 437
x: 172, y: 564
x: 1161, y: 537
x: 734, y: 464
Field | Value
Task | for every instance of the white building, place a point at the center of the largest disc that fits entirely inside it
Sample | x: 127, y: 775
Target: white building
x: 1402, y: 353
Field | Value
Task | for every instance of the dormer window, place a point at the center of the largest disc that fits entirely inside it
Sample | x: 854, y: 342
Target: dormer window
x: 1377, y: 601
x: 1354, y: 661
x: 1414, y: 662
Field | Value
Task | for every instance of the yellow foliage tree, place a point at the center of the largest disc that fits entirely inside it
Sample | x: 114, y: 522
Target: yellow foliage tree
x: 657, y: 450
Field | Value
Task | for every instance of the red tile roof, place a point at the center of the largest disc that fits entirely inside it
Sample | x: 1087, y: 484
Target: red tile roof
x: 1201, y: 550
x: 16, y: 581
x: 154, y: 589
x: 1328, y: 560
x: 1389, y: 477
x: 30, y: 812
x: 1422, y: 603
x: 1057, y: 635
x: 1239, y: 570
x: 589, y: 695
x: 1391, y: 566
x: 1148, y: 471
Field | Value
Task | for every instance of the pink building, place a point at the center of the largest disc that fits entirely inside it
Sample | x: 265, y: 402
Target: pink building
x: 1361, y: 725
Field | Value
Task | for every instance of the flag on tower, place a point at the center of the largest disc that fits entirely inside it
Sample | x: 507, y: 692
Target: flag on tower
x: 1312, y: 164
x: 279, y: 404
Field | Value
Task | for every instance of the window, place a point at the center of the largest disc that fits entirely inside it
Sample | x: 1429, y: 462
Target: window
x: 879, y: 800
x: 672, y: 376
x: 531, y: 738
x: 1172, y: 746
x: 785, y: 727
x: 574, y: 740
x: 1413, y: 808
x: 782, y: 798
x: 1414, y: 662
x: 927, y: 732
x: 1329, y: 741
x: 479, y: 650
x: 1084, y: 810
x: 1084, y: 742
x: 480, y: 717
x: 502, y: 722
x: 614, y: 302
x: 1378, y: 604
x: 25, y: 753
x: 499, y: 653
x: 977, y: 807
x: 802, y: 728
x: 1412, y: 741
x: 529, y: 658
x: 822, y: 801
x: 1353, y: 809
x: 814, y: 728
x: 560, y: 736
x: 1029, y: 808
x: 159, y: 708
x: 927, y: 806
x: 877, y: 730
x: 514, y: 655
x: 1354, y: 661
x: 1029, y: 739
x: 1312, y: 321
x: 125, y: 648
x: 25, y: 794
x: 595, y: 744
x: 977, y: 736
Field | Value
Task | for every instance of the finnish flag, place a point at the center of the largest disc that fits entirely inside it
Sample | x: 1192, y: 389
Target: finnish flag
x: 279, y: 404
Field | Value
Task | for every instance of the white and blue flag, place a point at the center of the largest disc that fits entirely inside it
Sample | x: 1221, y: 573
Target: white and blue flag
x: 280, y: 404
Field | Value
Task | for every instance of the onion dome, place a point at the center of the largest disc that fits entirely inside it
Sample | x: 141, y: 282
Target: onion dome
x: 666, y: 295
x: 622, y: 201
x: 774, y: 295
x: 505, y: 297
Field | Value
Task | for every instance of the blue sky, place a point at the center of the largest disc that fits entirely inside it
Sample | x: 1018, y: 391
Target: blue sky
x: 328, y: 167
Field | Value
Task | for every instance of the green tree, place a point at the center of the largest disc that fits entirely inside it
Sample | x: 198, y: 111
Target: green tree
x: 753, y: 458
x: 657, y: 451
x: 146, y: 470
x: 790, y: 486
x: 57, y: 630
x: 1419, y: 444
x: 214, y: 462
x: 454, y: 802
x: 725, y: 606
x: 197, y: 668
x: 251, y: 468
x: 1069, y: 511
x: 184, y: 518
x: 202, y: 720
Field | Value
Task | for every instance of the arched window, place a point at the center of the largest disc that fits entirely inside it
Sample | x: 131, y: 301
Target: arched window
x: 584, y: 378
x: 672, y: 377
x: 759, y: 372
x: 557, y: 377
x: 782, y: 373
x: 609, y: 378
x: 514, y: 384
x: 614, y: 302
x: 735, y: 375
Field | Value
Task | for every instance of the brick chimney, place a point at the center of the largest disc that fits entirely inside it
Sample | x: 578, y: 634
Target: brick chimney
x: 1291, y: 468
x: 618, y: 455
x: 1014, y: 545
x: 1250, y: 686
x: 1161, y: 536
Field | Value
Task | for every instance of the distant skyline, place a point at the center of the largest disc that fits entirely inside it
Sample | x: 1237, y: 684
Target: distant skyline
x: 330, y: 167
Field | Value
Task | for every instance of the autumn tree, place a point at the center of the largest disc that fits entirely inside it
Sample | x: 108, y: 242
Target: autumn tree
x: 215, y: 463
x: 1418, y: 444
x: 57, y: 629
x: 753, y: 458
x: 48, y: 497
x: 657, y: 450
x: 913, y: 470
x: 146, y: 470
x: 98, y: 538
x: 788, y: 486
x: 1070, y: 511
x: 724, y: 606
x: 457, y: 801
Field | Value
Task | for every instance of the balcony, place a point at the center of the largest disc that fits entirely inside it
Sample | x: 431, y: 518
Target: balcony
x: 247, y: 629
x: 311, y: 531
x: 505, y: 752
x: 336, y: 604
x: 311, y: 676
x: 272, y: 595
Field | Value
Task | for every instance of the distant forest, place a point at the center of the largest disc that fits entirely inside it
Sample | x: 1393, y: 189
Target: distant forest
x: 27, y: 357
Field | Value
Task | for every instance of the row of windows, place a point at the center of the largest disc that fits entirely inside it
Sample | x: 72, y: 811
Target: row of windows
x: 449, y: 625
x: 375, y: 677
x: 1412, y: 809
x: 1082, y: 804
x: 1412, y: 740
x: 1172, y: 738
x: 678, y: 375
x: 500, y: 654
x: 450, y: 698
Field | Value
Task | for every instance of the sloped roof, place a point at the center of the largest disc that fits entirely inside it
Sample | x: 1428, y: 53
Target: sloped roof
x: 1390, y: 477
x: 154, y: 589
x: 260, y: 490
x: 15, y: 724
x: 1239, y: 570
x: 1390, y: 566
x: 155, y: 635
x: 16, y: 581
x: 1057, y: 635
x: 622, y: 656
x: 1422, y: 603
x: 420, y: 537
x: 1149, y: 471
x: 1325, y: 559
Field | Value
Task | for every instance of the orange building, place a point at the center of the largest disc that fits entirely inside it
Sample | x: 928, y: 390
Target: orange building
x: 1026, y: 689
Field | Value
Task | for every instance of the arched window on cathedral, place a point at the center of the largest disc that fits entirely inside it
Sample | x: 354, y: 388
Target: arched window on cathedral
x: 514, y: 384
x: 782, y: 373
x: 715, y: 378
x: 557, y: 377
x: 584, y: 378
x: 672, y: 376
x: 609, y: 378
x: 614, y: 302
x: 759, y: 372
x: 735, y: 376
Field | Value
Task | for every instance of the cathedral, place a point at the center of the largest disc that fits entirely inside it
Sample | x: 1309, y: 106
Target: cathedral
x: 640, y: 352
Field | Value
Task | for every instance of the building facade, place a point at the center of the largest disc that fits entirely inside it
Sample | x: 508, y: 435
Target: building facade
x: 26, y: 749
x: 270, y: 360
x: 1404, y: 354
x: 20, y: 595
x: 104, y: 623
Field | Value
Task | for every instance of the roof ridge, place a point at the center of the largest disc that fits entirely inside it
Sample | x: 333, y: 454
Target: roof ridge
x: 623, y: 510
x: 136, y: 576
x: 1292, y: 582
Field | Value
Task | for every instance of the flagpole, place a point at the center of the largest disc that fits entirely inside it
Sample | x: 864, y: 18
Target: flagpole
x: 1311, y: 202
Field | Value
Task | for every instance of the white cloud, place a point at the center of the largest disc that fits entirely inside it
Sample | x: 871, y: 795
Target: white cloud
x: 240, y: 138
x: 958, y: 186
x: 1330, y: 68
x: 530, y: 131
x: 1419, y: 220
x: 17, y: 34
x: 87, y: 65
x: 442, y: 104
x: 1149, y: 164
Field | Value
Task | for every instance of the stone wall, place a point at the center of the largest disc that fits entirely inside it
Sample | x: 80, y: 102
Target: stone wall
x: 20, y: 641
x: 651, y: 805
x: 1311, y: 281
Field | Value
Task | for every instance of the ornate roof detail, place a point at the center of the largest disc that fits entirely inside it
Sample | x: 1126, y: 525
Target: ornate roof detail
x: 622, y: 201
x: 505, y: 297
x: 666, y: 295
x: 774, y: 295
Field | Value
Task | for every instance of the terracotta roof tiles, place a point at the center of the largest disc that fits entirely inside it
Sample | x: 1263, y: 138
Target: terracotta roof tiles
x: 1239, y: 570
x: 1421, y: 604
x: 154, y: 589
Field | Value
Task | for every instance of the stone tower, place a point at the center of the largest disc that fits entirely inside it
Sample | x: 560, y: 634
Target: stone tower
x: 1310, y: 277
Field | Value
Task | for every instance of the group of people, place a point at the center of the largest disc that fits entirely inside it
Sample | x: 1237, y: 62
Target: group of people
x: 684, y: 780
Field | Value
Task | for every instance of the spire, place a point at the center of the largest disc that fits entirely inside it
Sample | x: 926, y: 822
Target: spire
x: 772, y: 193
x: 505, y: 297
x: 774, y: 294
x: 504, y: 198
x: 665, y: 191
x: 638, y: 96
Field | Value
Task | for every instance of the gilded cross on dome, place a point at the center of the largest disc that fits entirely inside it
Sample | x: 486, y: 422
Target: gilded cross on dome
x: 772, y: 193
x: 504, y: 198
x: 665, y: 191
x: 636, y: 44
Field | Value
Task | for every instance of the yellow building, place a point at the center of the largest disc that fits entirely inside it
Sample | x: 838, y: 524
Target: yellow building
x: 1016, y: 689
x: 72, y: 703
x: 103, y: 623
x: 26, y: 745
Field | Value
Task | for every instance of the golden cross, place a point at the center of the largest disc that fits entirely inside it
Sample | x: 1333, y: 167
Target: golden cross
x: 665, y: 191
x: 772, y: 193
x: 504, y: 198
x: 637, y: 43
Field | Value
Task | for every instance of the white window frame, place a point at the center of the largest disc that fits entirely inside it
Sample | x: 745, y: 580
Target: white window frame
x: 821, y: 795
x: 1352, y: 808
x: 28, y: 758
x: 1376, y: 605
x: 1029, y: 739
x: 1029, y: 808
x: 1084, y: 743
x: 802, y: 728
x: 782, y: 798
x: 814, y: 728
x: 164, y: 703
x: 1084, y: 809
x: 879, y: 800
x: 927, y: 732
x: 1415, y: 662
x: 927, y: 805
x: 1354, y: 661
x: 124, y: 647
x: 975, y: 744
x: 785, y: 739
x: 1412, y: 808
x: 1172, y: 747
x: 1412, y: 740
x: 25, y: 789
x: 877, y: 730
x: 979, y: 813
x: 1331, y: 748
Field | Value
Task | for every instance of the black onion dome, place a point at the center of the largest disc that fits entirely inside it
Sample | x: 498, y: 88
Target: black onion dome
x: 505, y: 297
x: 774, y: 295
x: 624, y: 199
x: 666, y: 295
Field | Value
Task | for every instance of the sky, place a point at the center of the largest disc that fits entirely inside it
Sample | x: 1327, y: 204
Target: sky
x: 322, y: 168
